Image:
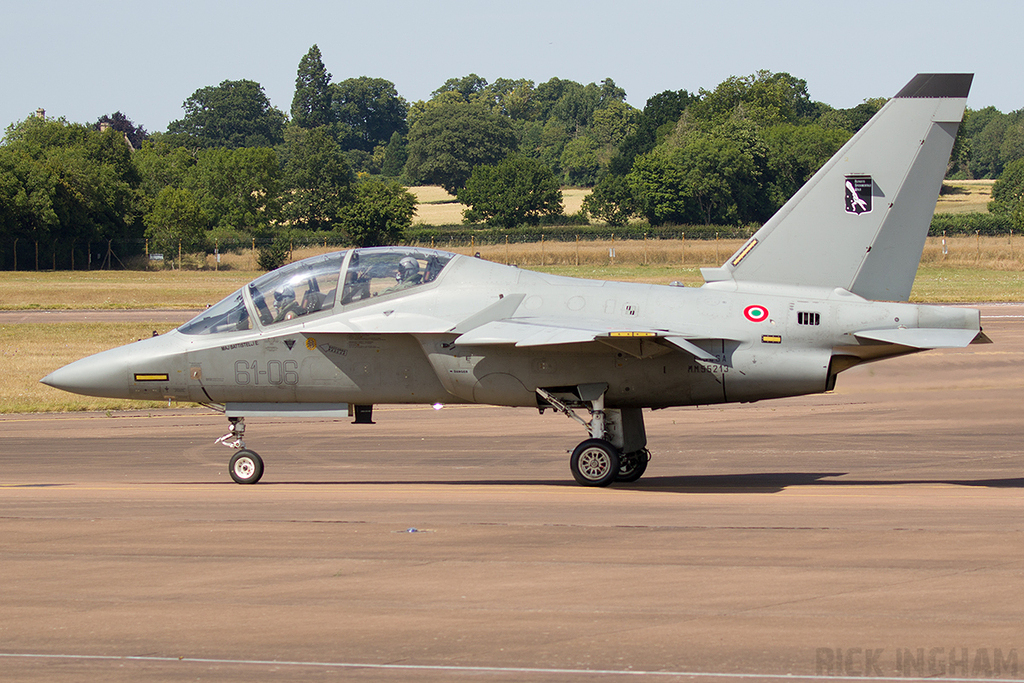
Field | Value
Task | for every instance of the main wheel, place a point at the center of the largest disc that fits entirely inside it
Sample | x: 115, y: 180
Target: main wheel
x: 595, y: 462
x: 246, y: 467
x: 633, y: 465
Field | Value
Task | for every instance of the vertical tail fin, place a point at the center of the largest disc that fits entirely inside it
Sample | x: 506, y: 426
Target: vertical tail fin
x: 861, y: 221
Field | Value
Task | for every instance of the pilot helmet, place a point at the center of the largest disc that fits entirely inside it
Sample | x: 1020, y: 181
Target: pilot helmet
x: 283, y: 296
x: 408, y: 267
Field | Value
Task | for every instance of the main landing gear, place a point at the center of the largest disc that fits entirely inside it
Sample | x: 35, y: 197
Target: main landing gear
x: 616, y: 449
x: 245, y: 466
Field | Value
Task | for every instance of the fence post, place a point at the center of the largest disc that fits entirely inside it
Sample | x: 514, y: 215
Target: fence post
x: 684, y: 249
x: 543, y: 259
x: 577, y: 250
x: 16, y: 253
x: 37, y: 256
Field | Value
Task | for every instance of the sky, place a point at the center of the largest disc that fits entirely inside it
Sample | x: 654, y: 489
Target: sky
x: 81, y: 60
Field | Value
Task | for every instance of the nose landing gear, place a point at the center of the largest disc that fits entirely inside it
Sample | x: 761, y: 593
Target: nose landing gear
x: 245, y: 466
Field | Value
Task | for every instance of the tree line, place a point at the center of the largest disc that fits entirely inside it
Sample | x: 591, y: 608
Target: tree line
x: 235, y: 169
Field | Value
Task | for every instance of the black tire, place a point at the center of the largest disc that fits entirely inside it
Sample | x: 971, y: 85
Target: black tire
x: 633, y: 465
x: 595, y: 462
x: 245, y: 467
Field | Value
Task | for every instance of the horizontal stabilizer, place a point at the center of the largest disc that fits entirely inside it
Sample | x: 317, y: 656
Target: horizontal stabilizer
x: 921, y: 338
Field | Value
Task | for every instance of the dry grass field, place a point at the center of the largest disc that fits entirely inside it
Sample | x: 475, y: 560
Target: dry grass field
x: 965, y: 196
x: 29, y: 352
x: 437, y: 207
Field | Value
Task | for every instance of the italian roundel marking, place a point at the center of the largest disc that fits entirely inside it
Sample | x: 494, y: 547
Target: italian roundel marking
x: 755, y: 314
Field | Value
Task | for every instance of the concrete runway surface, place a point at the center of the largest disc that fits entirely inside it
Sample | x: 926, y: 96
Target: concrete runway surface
x: 877, y: 530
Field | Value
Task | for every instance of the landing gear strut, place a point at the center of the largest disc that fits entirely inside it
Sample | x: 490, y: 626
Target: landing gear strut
x: 616, y: 449
x: 245, y: 466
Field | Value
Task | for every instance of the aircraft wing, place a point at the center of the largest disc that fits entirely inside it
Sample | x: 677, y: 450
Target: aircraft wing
x: 526, y: 332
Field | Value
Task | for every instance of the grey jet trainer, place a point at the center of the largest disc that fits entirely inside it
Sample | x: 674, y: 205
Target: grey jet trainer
x: 820, y: 288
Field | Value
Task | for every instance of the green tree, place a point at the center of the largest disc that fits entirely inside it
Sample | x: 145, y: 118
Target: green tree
x: 81, y: 184
x: 516, y: 191
x: 795, y: 153
x: 449, y: 140
x: 27, y: 194
x: 997, y: 139
x: 611, y: 201
x: 233, y: 114
x: 176, y: 220
x: 311, y: 104
x: 395, y: 156
x: 511, y: 98
x: 576, y: 107
x: 368, y: 111
x: 765, y: 98
x: 162, y: 165
x: 238, y: 190
x: 580, y: 161
x: 1008, y: 193
x: 379, y: 214
x: 713, y: 179
x: 317, y: 179
x: 468, y: 87
x: 654, y: 123
x: 613, y: 123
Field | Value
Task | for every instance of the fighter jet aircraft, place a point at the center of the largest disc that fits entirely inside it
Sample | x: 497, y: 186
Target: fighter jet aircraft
x: 821, y: 287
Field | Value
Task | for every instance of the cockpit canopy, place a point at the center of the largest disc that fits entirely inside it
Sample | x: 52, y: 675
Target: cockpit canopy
x: 311, y: 285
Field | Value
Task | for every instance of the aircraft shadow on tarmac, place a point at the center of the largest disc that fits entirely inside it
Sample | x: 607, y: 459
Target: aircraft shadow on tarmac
x: 756, y: 482
x: 774, y: 482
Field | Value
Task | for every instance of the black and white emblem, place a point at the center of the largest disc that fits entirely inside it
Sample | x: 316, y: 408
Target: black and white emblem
x: 858, y: 194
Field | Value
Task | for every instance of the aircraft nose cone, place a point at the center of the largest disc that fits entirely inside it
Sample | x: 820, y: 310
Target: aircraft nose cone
x: 105, y: 375
x: 113, y: 373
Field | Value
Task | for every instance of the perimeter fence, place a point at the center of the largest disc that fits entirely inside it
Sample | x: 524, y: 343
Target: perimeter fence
x: 575, y: 243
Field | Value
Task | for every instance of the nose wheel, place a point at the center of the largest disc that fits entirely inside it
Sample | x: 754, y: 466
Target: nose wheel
x: 245, y: 466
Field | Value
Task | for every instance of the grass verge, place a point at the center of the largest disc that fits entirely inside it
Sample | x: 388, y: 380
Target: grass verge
x: 29, y: 352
